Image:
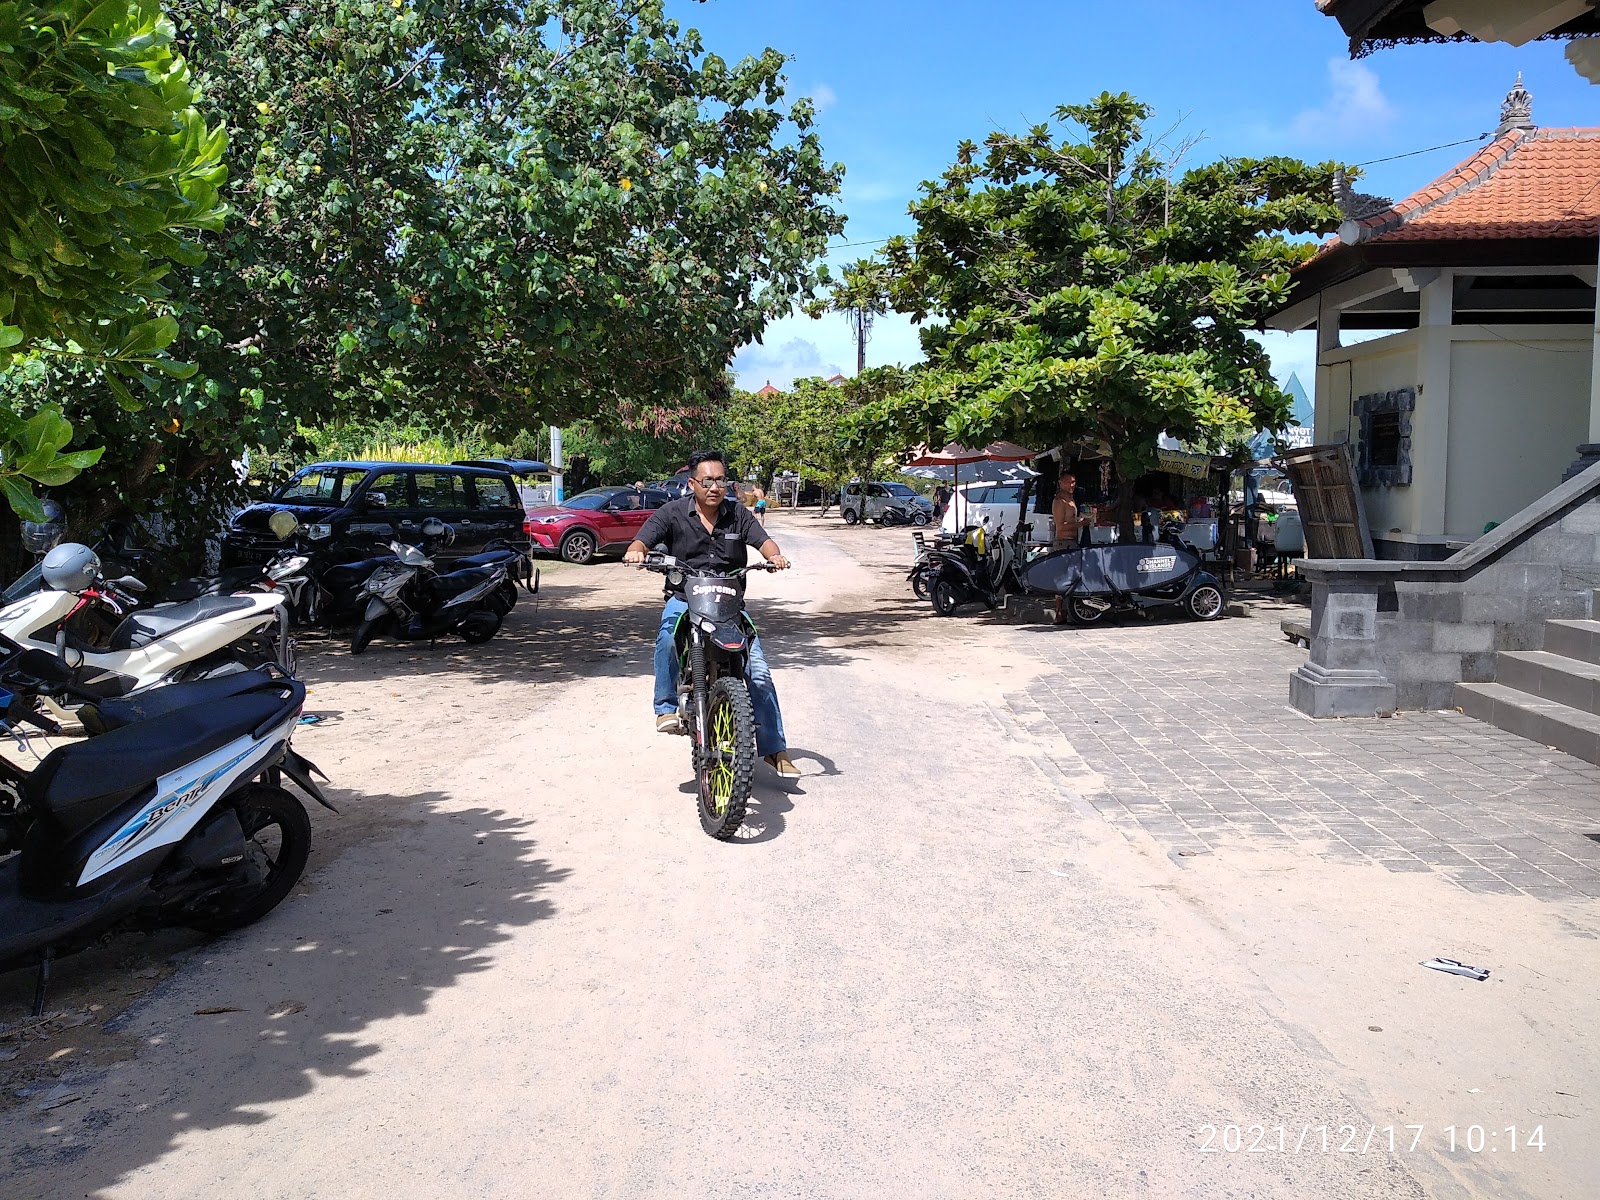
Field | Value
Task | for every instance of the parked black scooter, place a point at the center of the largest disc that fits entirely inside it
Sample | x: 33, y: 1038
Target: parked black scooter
x: 408, y: 599
x: 175, y: 816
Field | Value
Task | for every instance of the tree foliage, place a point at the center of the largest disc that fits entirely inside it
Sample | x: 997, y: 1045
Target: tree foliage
x: 860, y: 295
x: 813, y: 428
x: 107, y: 173
x: 471, y: 211
x: 1077, y: 290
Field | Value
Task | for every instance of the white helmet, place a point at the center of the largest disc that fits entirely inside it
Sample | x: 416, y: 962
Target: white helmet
x: 70, y: 567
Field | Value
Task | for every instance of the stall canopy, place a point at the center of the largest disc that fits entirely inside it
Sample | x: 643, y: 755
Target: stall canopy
x: 955, y: 456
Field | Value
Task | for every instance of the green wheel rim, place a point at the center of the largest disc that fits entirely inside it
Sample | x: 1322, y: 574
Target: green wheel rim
x: 719, y: 771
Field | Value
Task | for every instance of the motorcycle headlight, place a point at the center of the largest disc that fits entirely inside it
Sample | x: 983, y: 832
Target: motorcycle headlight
x: 319, y: 532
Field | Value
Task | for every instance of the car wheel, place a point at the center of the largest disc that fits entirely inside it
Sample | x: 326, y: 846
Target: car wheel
x: 850, y: 517
x: 578, y: 547
x: 1205, y: 603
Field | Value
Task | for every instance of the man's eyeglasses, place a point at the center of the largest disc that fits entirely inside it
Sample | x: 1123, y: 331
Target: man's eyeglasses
x: 716, y: 484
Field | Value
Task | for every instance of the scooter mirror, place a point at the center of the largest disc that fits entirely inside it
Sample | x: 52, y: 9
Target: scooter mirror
x: 131, y: 583
x: 433, y: 527
x: 283, y: 523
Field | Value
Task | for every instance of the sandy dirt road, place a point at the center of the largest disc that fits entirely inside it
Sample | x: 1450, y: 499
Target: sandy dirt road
x: 516, y: 967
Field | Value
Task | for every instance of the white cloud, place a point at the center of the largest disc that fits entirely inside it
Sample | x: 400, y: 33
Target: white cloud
x: 781, y: 364
x: 1355, y: 107
x: 823, y: 97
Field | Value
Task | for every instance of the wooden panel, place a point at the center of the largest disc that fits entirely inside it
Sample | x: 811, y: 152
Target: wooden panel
x: 1335, y: 522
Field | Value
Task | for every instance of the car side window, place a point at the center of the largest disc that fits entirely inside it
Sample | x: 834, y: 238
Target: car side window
x: 874, y: 490
x: 393, y: 486
x: 853, y: 489
x: 1005, y: 495
x: 493, y: 492
x: 979, y: 495
x: 625, y: 502
x: 655, y: 499
x: 440, y: 489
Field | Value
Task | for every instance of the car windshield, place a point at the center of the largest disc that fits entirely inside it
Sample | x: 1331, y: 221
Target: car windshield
x: 327, y: 484
x: 590, y: 500
x: 899, y: 489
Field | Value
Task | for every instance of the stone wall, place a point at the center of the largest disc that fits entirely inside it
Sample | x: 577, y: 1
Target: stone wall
x: 1388, y: 635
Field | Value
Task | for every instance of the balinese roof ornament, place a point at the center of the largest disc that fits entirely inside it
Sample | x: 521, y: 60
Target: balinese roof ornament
x: 1516, y: 112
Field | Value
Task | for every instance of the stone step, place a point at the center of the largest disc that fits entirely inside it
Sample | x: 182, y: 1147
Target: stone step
x: 1568, y: 681
x: 1544, y: 721
x: 1573, y: 639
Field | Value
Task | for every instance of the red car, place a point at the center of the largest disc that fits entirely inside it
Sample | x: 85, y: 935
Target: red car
x: 598, y: 521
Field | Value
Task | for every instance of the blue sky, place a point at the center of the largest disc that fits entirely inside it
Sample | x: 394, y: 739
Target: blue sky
x: 900, y: 82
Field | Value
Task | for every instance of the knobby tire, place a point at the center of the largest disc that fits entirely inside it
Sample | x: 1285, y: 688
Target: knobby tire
x: 727, y: 767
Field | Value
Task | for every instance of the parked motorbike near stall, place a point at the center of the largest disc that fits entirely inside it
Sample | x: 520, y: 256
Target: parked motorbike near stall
x: 712, y: 641
x: 115, y: 647
x: 898, y: 514
x: 1100, y: 581
x: 408, y: 599
x: 982, y: 567
x: 175, y: 816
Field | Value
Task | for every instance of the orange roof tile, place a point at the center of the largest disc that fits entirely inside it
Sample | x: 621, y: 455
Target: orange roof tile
x: 1530, y: 183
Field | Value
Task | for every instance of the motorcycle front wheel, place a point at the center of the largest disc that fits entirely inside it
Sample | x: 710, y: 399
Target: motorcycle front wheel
x: 727, y: 765
x: 919, y: 585
x: 364, y: 634
x: 277, y: 838
x: 1086, y: 614
x: 480, y: 625
x: 947, y: 597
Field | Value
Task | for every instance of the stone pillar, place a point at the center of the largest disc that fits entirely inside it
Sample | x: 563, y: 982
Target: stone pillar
x: 1589, y: 452
x: 1341, y: 678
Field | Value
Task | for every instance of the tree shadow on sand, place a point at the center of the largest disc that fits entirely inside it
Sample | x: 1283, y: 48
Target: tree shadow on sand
x: 366, y: 938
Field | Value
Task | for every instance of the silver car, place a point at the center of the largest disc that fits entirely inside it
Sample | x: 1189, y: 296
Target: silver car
x: 867, y: 502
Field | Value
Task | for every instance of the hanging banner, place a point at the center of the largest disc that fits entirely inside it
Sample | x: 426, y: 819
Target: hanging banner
x: 1179, y: 462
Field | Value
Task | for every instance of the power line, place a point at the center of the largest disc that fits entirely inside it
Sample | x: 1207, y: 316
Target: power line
x: 1413, y: 153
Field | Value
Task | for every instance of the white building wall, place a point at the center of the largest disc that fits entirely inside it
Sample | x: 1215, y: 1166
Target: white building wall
x: 1384, y: 364
x: 1518, y: 410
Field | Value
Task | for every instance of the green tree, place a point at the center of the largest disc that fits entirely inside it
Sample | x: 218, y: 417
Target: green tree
x: 461, y: 212
x: 814, y: 428
x: 107, y: 171
x: 860, y: 295
x: 1080, y: 291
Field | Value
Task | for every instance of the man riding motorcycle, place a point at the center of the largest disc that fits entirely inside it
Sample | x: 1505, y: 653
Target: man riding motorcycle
x: 709, y: 529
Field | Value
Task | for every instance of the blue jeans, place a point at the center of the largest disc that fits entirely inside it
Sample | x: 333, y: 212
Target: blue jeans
x: 763, y: 696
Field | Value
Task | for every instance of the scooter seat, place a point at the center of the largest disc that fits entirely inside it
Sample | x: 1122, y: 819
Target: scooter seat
x: 78, y: 784
x: 145, y: 625
x: 460, y: 581
x: 158, y: 702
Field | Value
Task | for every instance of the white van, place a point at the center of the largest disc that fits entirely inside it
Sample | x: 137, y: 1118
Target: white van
x: 1001, y: 504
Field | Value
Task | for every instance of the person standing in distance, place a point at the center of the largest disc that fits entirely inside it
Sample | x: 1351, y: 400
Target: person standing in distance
x: 710, y: 530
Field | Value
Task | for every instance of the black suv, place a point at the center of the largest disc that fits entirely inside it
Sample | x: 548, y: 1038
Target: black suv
x: 360, y: 504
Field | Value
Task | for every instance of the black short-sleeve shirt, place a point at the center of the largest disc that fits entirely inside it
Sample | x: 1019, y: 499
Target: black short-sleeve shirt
x: 677, y: 526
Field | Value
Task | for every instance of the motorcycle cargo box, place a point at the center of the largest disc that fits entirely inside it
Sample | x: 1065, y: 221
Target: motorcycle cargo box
x: 1110, y: 570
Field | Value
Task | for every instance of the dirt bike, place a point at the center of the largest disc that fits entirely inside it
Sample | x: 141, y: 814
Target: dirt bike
x: 712, y: 640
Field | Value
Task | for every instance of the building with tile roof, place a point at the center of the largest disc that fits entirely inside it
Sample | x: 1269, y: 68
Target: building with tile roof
x: 1482, y: 383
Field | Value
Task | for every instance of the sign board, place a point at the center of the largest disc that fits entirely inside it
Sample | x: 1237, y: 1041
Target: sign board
x: 1179, y: 462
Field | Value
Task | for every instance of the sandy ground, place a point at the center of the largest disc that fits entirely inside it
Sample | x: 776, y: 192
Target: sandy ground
x: 516, y: 967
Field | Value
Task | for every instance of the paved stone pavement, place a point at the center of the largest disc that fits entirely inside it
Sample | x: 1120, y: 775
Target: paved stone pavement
x: 1184, y: 730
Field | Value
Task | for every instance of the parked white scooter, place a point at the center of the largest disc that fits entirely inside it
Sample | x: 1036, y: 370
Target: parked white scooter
x: 144, y: 647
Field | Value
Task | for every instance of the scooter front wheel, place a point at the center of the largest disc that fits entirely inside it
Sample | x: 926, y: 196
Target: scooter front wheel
x: 727, y: 765
x: 480, y: 625
x: 947, y: 597
x: 919, y: 585
x: 1085, y: 613
x: 1205, y: 603
x: 364, y: 634
x: 277, y: 839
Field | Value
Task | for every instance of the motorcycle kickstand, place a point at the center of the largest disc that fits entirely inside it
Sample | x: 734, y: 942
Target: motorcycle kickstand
x: 41, y: 986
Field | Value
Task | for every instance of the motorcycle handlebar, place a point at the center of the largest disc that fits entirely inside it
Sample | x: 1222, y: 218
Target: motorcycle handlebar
x: 662, y: 563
